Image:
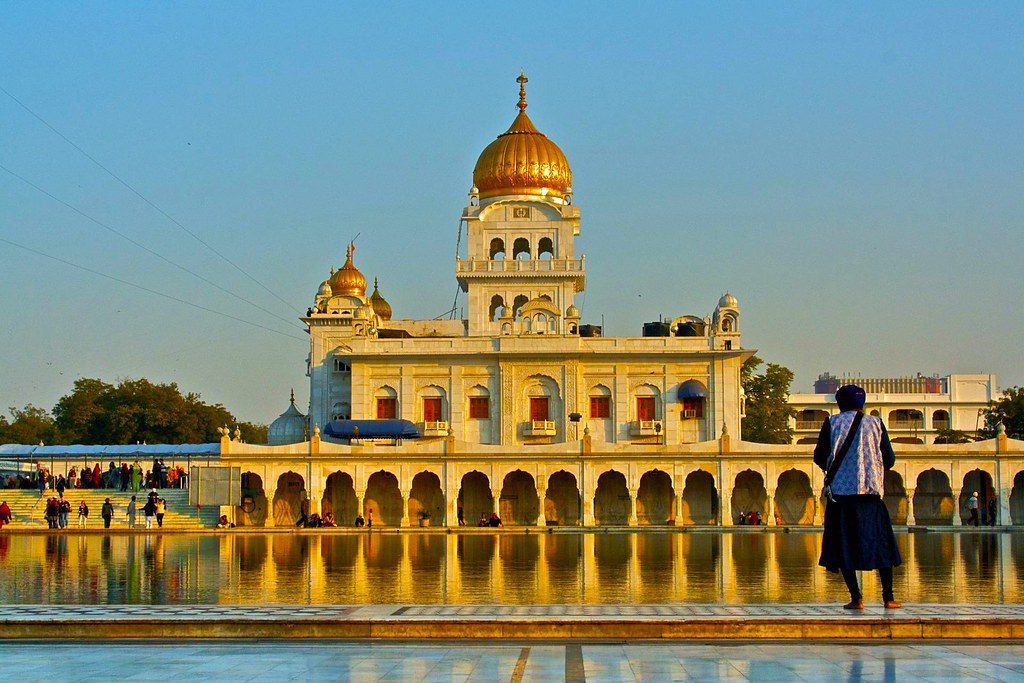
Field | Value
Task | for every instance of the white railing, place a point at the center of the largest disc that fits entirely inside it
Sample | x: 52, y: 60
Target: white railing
x: 906, y: 424
x: 540, y: 428
x: 645, y: 427
x: 435, y: 428
x: 519, y: 266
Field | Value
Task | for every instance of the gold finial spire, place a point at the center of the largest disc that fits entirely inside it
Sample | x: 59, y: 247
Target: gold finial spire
x: 293, y: 396
x: 350, y: 250
x: 522, y: 90
x: 375, y: 284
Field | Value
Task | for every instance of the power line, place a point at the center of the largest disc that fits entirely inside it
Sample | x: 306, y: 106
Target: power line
x: 144, y: 198
x: 146, y: 289
x: 144, y: 247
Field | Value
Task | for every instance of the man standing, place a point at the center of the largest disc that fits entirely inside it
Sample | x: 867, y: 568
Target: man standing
x: 107, y: 513
x: 991, y: 511
x: 149, y: 510
x: 131, y: 513
x: 972, y: 505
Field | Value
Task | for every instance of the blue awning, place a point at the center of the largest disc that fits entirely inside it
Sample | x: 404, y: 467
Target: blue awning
x: 371, y: 429
x: 691, y: 388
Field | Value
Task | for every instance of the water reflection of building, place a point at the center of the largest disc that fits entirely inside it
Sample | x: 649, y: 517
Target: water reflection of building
x: 621, y: 568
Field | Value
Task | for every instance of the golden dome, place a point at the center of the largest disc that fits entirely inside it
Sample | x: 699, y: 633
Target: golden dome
x: 380, y: 305
x: 348, y: 281
x: 522, y: 160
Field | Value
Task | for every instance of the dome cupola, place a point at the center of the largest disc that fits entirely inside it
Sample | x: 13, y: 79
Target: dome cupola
x: 728, y: 301
x: 348, y: 281
x: 522, y: 161
x: 289, y: 427
x: 380, y: 305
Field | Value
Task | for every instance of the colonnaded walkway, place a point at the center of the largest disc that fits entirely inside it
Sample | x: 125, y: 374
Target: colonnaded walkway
x: 507, y: 661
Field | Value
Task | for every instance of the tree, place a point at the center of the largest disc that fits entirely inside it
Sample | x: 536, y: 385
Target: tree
x: 29, y: 425
x: 1008, y: 410
x: 768, y: 412
x: 96, y: 412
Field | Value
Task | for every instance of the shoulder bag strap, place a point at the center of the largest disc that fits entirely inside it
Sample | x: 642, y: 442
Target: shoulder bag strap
x: 841, y: 454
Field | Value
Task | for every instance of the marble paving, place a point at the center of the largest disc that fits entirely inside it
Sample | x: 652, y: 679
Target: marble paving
x: 485, y: 613
x: 327, y: 660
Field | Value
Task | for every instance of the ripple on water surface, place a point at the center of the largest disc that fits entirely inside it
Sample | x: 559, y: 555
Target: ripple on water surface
x: 509, y: 568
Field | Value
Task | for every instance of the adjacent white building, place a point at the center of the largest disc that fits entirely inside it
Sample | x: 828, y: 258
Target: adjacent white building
x: 914, y: 409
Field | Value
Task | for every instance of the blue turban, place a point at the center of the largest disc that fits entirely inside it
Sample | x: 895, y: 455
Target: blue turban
x: 850, y: 397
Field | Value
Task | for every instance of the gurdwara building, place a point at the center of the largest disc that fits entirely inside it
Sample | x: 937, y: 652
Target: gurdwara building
x: 522, y: 369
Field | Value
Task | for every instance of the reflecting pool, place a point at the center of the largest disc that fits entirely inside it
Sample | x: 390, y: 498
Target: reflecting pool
x: 511, y: 568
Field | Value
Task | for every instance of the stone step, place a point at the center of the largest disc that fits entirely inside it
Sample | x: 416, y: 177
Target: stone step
x: 27, y: 507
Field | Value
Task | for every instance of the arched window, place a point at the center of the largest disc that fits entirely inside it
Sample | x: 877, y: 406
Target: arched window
x: 940, y: 419
x: 600, y: 402
x: 527, y: 324
x: 521, y: 248
x: 692, y: 394
x: 387, y: 403
x: 728, y: 323
x: 497, y: 308
x: 545, y: 248
x: 647, y: 408
x: 497, y: 250
x: 432, y: 400
x: 479, y: 403
x: 517, y: 304
x: 541, y: 325
x: 572, y: 328
x: 341, y: 411
x: 540, y: 393
x: 506, y: 328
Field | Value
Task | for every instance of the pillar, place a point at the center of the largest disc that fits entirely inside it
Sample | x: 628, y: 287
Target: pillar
x: 725, y: 509
x: 1003, y: 517
x: 819, y: 512
x: 911, y: 520
x: 770, y: 521
x: 496, y: 497
x: 957, y: 521
x: 541, y: 486
x: 361, y: 501
x: 406, y: 492
x: 679, y: 507
x: 632, y: 505
x: 587, y: 493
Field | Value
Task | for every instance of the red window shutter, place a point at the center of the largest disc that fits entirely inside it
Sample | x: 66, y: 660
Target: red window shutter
x: 432, y: 409
x: 479, y: 408
x: 645, y: 408
x: 386, y: 408
x: 694, y: 404
x: 600, y: 407
x: 539, y: 408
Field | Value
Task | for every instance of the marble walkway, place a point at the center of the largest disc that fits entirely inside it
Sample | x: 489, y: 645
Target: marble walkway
x: 328, y: 660
x: 483, y: 623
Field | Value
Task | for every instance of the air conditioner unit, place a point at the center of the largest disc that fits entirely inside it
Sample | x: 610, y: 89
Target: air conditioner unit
x: 689, y: 414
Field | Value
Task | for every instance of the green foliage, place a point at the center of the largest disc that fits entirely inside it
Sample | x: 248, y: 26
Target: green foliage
x: 767, y: 407
x: 29, y: 425
x: 1009, y: 410
x: 96, y: 412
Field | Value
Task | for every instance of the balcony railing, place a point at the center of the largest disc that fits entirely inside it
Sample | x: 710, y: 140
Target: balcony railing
x: 540, y: 428
x: 940, y: 424
x: 906, y: 424
x: 464, y: 266
x: 435, y: 428
x: 645, y: 427
x: 809, y: 424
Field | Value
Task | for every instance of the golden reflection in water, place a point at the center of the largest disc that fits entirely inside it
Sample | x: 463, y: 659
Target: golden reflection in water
x: 509, y: 568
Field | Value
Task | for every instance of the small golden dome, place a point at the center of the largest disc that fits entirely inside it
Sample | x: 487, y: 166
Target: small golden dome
x: 728, y: 301
x: 572, y: 311
x: 348, y: 281
x: 522, y: 160
x: 380, y: 305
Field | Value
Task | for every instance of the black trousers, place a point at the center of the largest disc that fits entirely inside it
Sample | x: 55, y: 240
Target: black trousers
x: 884, y: 576
x: 974, y: 517
x: 106, y: 522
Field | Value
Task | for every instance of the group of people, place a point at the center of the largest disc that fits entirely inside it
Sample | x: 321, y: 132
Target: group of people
x: 117, y: 477
x: 153, y: 509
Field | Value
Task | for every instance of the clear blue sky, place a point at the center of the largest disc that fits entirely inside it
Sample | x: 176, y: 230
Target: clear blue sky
x: 854, y: 174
